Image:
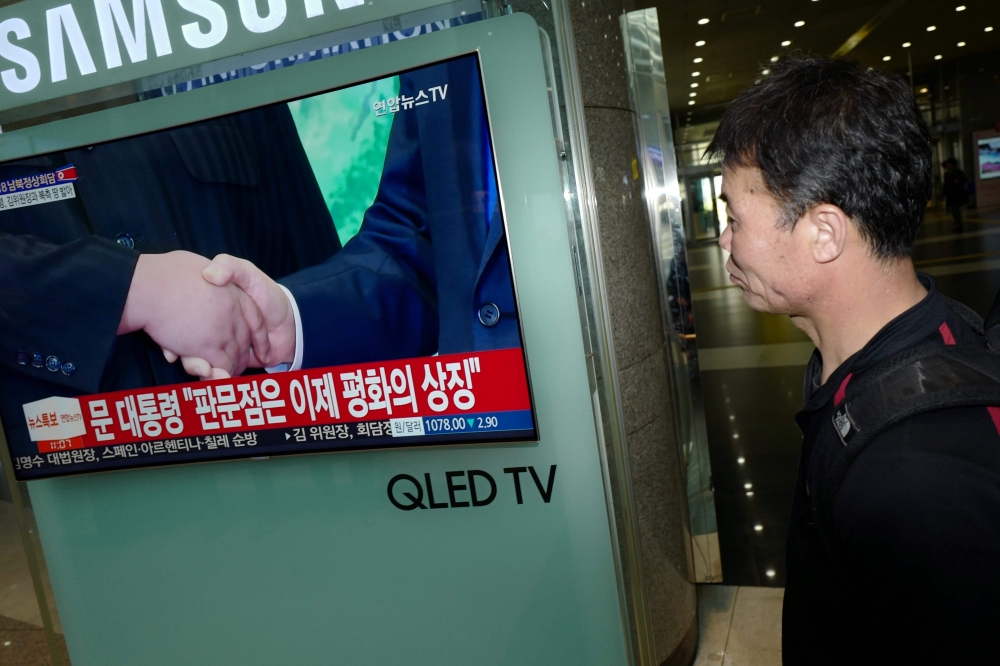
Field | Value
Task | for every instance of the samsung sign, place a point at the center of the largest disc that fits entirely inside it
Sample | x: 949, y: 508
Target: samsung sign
x: 47, y: 51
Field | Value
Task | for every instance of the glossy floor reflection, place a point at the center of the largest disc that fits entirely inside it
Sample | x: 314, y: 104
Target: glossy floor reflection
x: 22, y: 636
x: 751, y: 377
x: 739, y: 626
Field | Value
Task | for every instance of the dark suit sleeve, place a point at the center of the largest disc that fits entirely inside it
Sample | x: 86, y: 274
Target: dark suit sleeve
x: 62, y: 300
x: 376, y: 298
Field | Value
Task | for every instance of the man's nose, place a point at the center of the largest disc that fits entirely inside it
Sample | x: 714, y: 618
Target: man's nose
x: 726, y: 238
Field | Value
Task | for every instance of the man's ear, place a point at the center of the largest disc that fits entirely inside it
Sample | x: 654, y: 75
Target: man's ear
x: 829, y: 229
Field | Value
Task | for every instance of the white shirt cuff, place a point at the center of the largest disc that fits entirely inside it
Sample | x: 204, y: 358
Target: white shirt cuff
x: 297, y: 360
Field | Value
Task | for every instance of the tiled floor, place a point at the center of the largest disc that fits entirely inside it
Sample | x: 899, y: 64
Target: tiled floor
x: 22, y: 638
x: 739, y: 626
x: 751, y: 383
x: 23, y: 644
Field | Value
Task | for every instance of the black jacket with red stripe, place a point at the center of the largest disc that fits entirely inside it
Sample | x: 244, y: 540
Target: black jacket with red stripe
x: 907, y: 567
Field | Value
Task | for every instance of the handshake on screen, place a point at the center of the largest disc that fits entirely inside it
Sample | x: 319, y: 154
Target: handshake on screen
x: 218, y: 317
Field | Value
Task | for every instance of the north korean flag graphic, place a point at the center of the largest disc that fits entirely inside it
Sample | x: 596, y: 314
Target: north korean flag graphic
x: 66, y: 175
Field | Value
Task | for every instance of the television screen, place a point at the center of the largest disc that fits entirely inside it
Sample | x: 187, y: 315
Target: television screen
x: 323, y: 274
x: 989, y: 158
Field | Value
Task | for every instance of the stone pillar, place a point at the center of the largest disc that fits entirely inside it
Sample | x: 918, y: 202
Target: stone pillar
x: 633, y: 300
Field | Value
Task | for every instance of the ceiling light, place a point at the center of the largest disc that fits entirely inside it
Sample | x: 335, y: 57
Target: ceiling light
x: 799, y: 24
x: 931, y: 28
x: 906, y: 45
x: 887, y: 58
x: 694, y: 85
x: 787, y: 42
x: 988, y: 29
x: 937, y: 57
x: 702, y: 42
x: 697, y: 60
x: 736, y: 435
x: 750, y: 492
x: 741, y: 460
x: 691, y: 103
x: 961, y: 43
x: 765, y: 72
x: 702, y: 21
x: 694, y: 94
x: 695, y: 73
x: 923, y: 90
x: 960, y: 8
x: 758, y: 528
x: 775, y: 58
x: 748, y: 486
x: 770, y: 573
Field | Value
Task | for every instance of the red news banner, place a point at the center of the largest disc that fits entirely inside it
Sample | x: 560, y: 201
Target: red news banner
x: 402, y: 392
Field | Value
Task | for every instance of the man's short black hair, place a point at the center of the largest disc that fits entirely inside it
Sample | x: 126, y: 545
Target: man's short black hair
x: 833, y: 131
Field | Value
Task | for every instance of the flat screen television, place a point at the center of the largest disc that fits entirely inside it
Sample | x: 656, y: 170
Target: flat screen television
x: 321, y: 274
x: 989, y: 158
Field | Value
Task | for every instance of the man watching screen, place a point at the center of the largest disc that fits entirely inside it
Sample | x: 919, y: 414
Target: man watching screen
x: 826, y: 176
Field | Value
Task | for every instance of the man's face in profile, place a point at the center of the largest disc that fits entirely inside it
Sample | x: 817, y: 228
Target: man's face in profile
x: 768, y: 260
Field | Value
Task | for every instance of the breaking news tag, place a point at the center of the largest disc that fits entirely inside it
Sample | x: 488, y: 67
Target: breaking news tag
x: 38, y: 189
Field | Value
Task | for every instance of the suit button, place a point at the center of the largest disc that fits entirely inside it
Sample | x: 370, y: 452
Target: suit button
x: 68, y: 368
x: 37, y: 360
x: 125, y: 240
x: 52, y: 364
x: 489, y: 315
x: 22, y: 358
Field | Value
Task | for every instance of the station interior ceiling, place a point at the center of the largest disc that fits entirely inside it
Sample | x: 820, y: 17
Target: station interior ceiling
x: 739, y: 40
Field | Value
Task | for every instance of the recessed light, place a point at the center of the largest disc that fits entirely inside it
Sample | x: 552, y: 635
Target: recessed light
x: 694, y: 94
x: 988, y: 29
x: 960, y: 8
x: 961, y: 43
x: 695, y: 73
x: 694, y: 85
x: 691, y: 103
x: 765, y: 72
x: 923, y: 90
x: 736, y: 435
x: 741, y: 460
x: 799, y: 24
x: 702, y: 21
x: 748, y: 486
x: 887, y: 58
x: 775, y: 58
x: 758, y: 528
x: 906, y: 45
x: 750, y: 492
x: 787, y: 42
x: 770, y: 573
x: 937, y: 57
x: 702, y: 42
x: 931, y: 28
x: 697, y: 60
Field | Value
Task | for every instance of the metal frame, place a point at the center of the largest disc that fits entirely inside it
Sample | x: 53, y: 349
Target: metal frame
x: 607, y: 390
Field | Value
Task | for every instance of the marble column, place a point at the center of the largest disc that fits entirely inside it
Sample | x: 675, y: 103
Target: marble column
x: 631, y: 277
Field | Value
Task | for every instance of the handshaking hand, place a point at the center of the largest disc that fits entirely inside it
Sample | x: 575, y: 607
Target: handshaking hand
x: 276, y: 312
x: 217, y: 332
x: 218, y: 317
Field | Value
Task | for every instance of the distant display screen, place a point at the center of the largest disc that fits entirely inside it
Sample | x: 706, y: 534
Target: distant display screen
x: 324, y: 274
x: 989, y: 158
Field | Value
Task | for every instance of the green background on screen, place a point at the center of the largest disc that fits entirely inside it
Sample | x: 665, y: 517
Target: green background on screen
x: 345, y: 143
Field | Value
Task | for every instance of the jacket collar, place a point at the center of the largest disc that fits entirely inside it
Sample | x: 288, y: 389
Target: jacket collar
x: 903, y: 332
